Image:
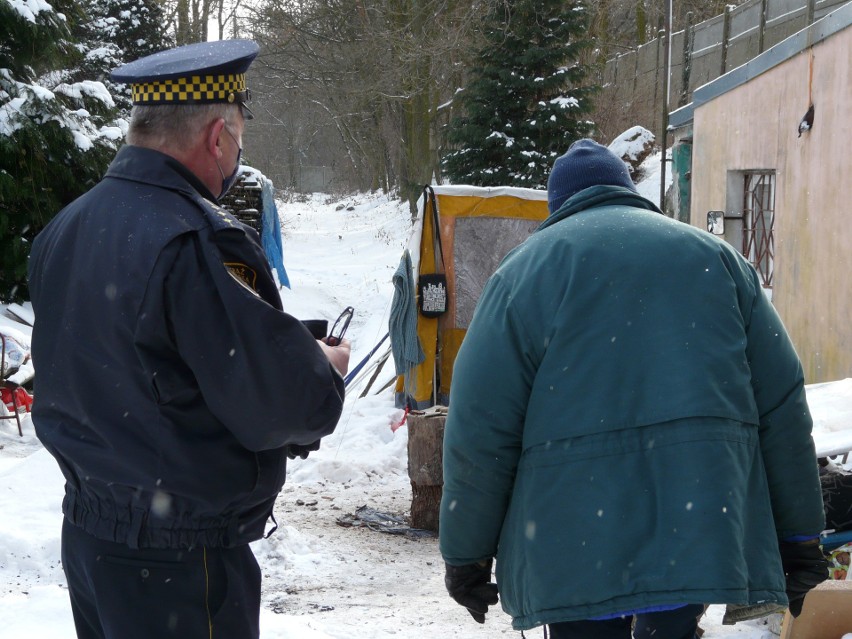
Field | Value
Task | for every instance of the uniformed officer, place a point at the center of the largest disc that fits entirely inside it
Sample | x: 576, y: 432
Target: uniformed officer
x: 171, y: 385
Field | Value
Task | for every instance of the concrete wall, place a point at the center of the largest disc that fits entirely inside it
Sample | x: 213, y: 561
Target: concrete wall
x: 754, y: 126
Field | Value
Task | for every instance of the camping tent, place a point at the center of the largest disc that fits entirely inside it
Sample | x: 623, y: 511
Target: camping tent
x: 477, y: 227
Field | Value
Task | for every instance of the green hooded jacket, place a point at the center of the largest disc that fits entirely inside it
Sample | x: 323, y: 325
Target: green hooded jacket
x: 627, y: 424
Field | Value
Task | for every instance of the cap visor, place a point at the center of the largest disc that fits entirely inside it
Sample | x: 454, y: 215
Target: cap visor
x: 247, y: 114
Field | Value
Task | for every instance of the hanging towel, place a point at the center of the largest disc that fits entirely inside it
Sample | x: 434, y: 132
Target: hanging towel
x: 405, y: 344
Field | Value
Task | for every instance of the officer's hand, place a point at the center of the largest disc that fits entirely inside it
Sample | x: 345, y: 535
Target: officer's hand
x: 302, y: 451
x: 805, y: 566
x: 338, y: 354
x: 471, y: 586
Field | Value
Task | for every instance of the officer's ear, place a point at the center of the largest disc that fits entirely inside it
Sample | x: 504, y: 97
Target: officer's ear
x: 213, y: 137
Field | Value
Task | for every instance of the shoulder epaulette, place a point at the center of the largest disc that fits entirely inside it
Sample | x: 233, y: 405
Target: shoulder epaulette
x: 219, y: 218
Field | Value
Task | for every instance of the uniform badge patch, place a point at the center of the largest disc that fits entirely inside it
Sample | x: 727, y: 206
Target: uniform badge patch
x: 243, y: 273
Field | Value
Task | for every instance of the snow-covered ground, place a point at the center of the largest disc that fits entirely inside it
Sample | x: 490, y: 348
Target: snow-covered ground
x: 321, y: 580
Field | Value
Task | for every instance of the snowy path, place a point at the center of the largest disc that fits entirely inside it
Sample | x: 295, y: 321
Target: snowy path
x: 365, y: 583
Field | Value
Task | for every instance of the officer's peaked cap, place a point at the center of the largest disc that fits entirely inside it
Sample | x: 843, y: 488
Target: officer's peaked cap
x: 201, y: 73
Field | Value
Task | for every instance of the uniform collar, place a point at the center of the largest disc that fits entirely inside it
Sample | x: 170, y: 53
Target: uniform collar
x: 141, y: 164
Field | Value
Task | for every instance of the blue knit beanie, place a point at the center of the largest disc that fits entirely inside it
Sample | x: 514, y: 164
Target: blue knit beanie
x: 586, y: 163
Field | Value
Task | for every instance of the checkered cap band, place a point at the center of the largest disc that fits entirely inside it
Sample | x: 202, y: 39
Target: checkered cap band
x: 194, y: 89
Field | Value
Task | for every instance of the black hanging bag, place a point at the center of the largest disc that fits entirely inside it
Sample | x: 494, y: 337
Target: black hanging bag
x: 432, y: 287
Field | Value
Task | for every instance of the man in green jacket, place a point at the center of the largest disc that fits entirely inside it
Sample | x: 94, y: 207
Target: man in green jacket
x: 628, y: 432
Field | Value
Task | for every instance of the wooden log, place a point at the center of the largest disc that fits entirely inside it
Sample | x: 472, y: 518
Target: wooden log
x: 425, y: 467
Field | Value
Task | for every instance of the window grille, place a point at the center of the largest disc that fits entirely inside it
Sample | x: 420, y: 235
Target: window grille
x: 759, y: 222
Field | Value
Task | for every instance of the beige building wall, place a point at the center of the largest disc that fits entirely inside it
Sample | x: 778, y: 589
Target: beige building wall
x: 755, y: 126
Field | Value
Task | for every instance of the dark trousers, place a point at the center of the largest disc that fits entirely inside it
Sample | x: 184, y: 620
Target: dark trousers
x: 121, y: 593
x: 680, y: 623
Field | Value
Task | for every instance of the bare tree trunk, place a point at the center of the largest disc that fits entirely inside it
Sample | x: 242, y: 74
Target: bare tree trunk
x: 641, y: 22
x: 192, y: 17
x: 226, y: 15
x: 182, y: 32
x: 599, y: 30
x: 380, y: 68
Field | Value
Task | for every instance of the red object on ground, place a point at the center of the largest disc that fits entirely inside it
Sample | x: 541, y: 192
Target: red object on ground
x: 25, y: 400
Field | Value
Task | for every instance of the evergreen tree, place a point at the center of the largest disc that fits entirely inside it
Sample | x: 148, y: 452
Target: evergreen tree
x: 525, y: 102
x: 56, y: 137
x: 115, y: 32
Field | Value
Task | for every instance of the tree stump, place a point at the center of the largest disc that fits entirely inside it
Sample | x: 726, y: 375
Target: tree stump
x: 425, y: 467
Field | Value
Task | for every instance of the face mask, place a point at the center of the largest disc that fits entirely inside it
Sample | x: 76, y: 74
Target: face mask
x: 228, y: 182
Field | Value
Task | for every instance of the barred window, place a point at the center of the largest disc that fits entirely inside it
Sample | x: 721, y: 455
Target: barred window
x: 759, y: 222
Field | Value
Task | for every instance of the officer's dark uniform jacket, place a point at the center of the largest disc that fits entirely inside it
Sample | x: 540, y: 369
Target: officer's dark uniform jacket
x: 169, y: 380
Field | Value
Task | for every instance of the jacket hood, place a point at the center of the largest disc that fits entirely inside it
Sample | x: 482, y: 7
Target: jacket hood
x: 597, y: 196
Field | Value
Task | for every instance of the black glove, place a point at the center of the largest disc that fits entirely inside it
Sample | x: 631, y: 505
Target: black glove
x: 298, y: 450
x: 470, y: 585
x: 805, y: 567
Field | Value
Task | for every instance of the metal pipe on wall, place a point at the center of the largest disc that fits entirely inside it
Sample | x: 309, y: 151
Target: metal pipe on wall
x: 667, y: 48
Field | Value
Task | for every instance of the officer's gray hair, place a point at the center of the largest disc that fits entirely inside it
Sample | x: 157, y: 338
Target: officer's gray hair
x: 173, y: 126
